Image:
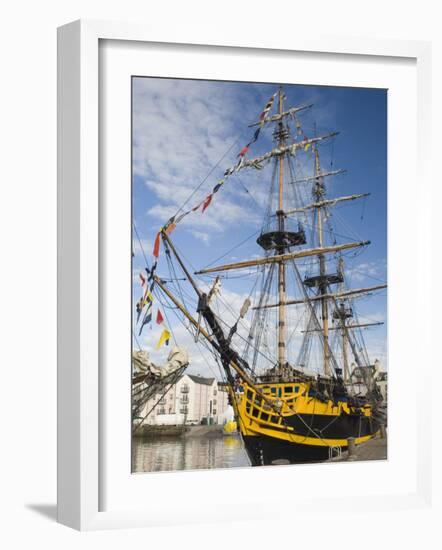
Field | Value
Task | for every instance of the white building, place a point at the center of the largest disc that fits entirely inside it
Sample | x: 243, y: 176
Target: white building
x: 373, y: 375
x: 192, y: 400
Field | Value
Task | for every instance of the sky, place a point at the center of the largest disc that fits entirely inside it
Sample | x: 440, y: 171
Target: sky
x: 186, y: 133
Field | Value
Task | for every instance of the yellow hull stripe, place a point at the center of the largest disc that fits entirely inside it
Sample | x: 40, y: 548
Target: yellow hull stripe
x: 256, y: 417
x: 291, y: 437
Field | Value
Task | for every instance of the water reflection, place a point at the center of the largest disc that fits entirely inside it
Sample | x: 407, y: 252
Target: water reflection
x: 192, y: 453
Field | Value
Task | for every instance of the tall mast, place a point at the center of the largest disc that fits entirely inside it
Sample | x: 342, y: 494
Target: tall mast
x: 345, y: 352
x: 342, y: 313
x: 318, y: 192
x: 281, y: 267
x: 344, y: 332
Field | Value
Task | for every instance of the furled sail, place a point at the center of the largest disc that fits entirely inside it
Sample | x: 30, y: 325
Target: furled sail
x: 178, y: 358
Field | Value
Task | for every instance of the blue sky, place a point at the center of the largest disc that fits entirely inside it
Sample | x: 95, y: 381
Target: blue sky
x: 183, y: 130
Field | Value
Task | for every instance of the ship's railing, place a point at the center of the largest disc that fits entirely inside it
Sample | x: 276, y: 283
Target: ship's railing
x: 271, y: 408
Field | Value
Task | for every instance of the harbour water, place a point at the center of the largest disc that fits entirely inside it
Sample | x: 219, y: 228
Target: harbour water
x: 171, y: 453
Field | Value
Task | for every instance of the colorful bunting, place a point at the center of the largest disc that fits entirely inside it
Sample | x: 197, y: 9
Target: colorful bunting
x: 207, y: 201
x: 147, y: 319
x: 147, y: 298
x: 152, y: 274
x: 164, y: 338
x: 170, y: 227
x: 204, y: 204
x: 217, y: 187
x: 156, y: 246
x: 239, y: 163
x: 267, y: 108
x: 180, y: 217
x: 299, y: 129
x: 139, y: 307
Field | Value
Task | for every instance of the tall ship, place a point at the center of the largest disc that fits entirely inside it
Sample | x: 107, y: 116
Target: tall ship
x: 292, y: 353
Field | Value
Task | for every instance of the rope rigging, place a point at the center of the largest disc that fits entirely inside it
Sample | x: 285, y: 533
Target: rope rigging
x: 251, y: 343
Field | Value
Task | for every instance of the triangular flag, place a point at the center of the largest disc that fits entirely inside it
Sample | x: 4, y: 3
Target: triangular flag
x: 148, y: 297
x: 151, y: 272
x: 164, y: 338
x: 307, y: 146
x: 239, y: 163
x: 142, y: 279
x: 207, y: 201
x: 139, y: 307
x: 156, y: 246
x: 267, y: 108
x: 160, y: 318
x: 147, y: 319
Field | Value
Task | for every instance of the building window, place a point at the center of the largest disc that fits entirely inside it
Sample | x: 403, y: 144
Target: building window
x: 214, y: 401
x: 161, y: 410
x: 184, y: 399
x: 184, y: 410
x: 214, y: 411
x: 185, y: 388
x: 214, y: 392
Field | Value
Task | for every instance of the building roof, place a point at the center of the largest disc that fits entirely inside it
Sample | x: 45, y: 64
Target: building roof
x: 201, y: 380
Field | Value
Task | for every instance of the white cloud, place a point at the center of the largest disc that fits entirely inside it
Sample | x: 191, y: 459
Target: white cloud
x: 181, y: 130
x: 368, y: 270
x: 140, y: 247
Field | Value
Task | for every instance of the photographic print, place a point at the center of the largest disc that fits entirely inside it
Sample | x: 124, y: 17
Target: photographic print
x: 259, y: 269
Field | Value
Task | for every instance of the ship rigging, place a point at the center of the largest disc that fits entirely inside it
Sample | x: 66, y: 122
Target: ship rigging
x: 288, y: 405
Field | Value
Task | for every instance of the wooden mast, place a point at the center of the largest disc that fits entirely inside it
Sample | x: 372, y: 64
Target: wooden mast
x: 345, y: 352
x: 281, y: 266
x: 344, y: 332
x: 318, y: 192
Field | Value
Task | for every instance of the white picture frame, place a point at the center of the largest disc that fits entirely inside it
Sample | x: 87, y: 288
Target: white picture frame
x: 79, y: 295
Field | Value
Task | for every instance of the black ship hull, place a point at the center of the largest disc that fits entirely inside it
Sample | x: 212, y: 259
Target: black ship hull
x: 263, y: 450
x: 266, y: 450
